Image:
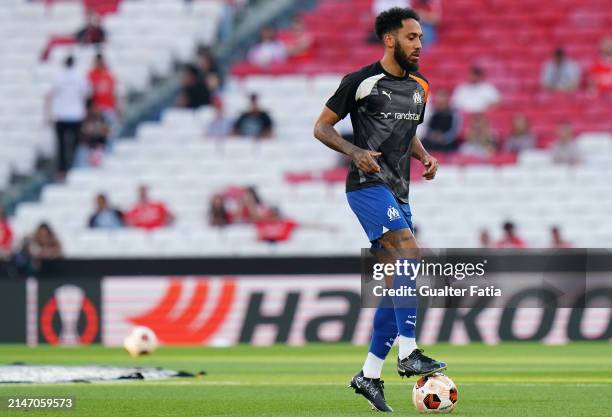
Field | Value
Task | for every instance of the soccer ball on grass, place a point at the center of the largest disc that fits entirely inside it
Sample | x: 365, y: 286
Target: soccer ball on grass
x: 140, y: 341
x: 435, y: 394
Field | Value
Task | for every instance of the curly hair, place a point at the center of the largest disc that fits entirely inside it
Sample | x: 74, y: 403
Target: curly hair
x: 391, y: 20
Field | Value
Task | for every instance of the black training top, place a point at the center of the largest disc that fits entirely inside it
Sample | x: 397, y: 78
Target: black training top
x: 385, y: 112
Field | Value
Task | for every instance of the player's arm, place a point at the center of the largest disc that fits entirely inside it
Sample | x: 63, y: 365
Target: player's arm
x: 418, y: 152
x: 324, y: 131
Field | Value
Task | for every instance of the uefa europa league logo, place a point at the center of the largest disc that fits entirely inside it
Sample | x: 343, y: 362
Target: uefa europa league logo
x: 69, y: 304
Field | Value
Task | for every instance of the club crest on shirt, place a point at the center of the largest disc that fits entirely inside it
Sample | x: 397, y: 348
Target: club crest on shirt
x: 417, y: 98
x: 393, y: 213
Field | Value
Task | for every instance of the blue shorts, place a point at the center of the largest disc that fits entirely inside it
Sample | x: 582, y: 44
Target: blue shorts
x: 379, y: 211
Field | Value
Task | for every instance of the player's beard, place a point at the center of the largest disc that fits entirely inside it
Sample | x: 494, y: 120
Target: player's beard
x: 402, y: 59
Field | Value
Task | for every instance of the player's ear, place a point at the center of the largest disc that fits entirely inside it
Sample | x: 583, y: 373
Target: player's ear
x: 389, y: 40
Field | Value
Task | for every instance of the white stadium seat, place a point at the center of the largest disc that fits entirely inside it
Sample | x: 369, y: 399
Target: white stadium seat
x: 184, y: 168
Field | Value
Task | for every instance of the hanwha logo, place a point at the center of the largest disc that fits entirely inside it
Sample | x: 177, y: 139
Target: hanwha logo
x: 68, y: 302
x: 181, y: 327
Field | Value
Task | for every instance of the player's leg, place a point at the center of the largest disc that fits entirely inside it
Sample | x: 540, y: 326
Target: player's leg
x: 384, y: 333
x: 370, y: 206
x: 402, y: 245
x: 367, y: 382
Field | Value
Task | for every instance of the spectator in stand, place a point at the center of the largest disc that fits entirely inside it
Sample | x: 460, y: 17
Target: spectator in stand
x: 477, y: 95
x: 105, y: 217
x: 6, y: 235
x: 102, y: 83
x: 600, y: 74
x: 564, y: 150
x: 510, y: 239
x: 148, y: 214
x: 298, y: 42
x: 220, y: 126
x: 556, y: 241
x: 443, y: 126
x: 430, y: 12
x: 269, y: 50
x: 485, y: 239
x: 65, y: 106
x: 207, y: 65
x: 92, y: 33
x: 194, y: 91
x: 560, y: 73
x: 95, y: 130
x: 218, y: 215
x: 44, y: 245
x: 479, y: 140
x: 250, y: 206
x: 274, y: 227
x: 254, y: 122
x: 521, y: 137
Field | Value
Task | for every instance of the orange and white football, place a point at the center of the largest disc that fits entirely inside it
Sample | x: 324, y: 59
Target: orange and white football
x: 435, y: 394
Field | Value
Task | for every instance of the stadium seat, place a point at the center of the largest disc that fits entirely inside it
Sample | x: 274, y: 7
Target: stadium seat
x: 184, y: 168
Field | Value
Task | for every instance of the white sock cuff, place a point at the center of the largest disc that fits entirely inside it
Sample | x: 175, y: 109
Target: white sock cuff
x: 372, y: 368
x: 406, y: 346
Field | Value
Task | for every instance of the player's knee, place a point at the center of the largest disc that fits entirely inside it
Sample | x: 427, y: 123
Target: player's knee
x: 399, y: 239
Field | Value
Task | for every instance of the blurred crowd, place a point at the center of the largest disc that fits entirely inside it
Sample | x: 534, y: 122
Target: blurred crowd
x: 458, y: 121
x: 201, y: 83
x: 511, y: 239
x: 233, y: 206
x: 82, y: 108
x: 145, y: 213
x: 243, y: 205
x: 475, y: 97
x: 26, y: 256
x: 84, y: 111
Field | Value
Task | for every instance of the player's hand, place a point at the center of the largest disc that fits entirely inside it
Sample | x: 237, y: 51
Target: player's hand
x: 364, y: 160
x: 431, y: 167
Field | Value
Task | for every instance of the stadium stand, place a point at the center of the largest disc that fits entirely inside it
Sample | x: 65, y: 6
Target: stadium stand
x: 485, y: 34
x: 185, y: 169
x: 138, y: 46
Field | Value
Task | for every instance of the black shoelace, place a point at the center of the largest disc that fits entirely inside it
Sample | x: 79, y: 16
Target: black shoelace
x: 381, y: 386
x: 374, y: 387
x: 419, y: 355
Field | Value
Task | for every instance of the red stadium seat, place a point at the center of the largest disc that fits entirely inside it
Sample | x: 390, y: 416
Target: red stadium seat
x: 482, y: 33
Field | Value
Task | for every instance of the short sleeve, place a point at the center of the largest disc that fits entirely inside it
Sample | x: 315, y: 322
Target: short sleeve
x: 422, y: 119
x: 343, y: 100
x: 426, y: 99
x: 425, y: 86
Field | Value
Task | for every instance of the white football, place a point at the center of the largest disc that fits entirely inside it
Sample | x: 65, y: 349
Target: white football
x: 435, y: 394
x: 140, y: 341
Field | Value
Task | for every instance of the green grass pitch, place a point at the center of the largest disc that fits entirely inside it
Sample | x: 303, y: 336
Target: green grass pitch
x: 512, y: 379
